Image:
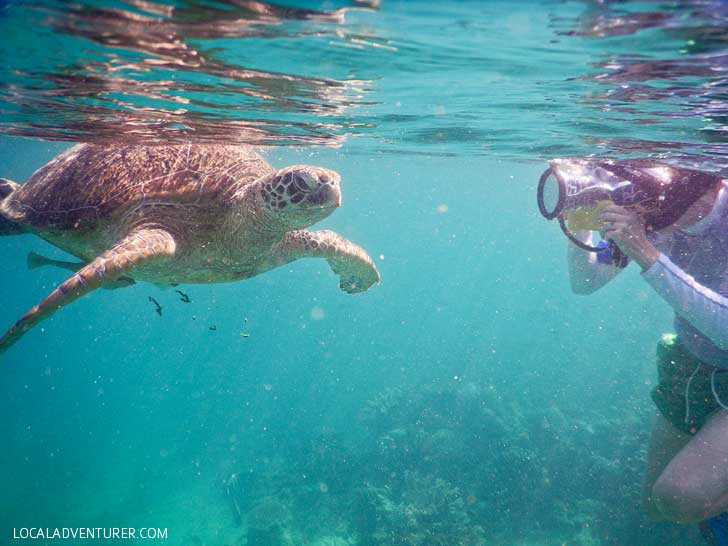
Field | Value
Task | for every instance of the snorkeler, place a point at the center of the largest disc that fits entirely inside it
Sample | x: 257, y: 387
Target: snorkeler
x: 673, y: 223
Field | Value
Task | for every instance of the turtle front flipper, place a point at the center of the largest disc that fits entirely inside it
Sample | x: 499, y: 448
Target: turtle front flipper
x: 140, y: 246
x: 356, y: 270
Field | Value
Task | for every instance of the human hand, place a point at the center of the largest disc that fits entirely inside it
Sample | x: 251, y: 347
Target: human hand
x: 627, y: 230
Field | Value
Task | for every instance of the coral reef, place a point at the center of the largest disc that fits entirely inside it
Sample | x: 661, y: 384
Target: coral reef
x: 268, y: 523
x: 456, y: 464
x: 425, y: 511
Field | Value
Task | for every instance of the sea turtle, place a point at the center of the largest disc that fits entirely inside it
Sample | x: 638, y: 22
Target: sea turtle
x: 175, y: 214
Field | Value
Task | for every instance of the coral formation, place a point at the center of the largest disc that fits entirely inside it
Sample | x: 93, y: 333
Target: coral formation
x: 456, y: 464
x: 268, y: 523
x: 424, y: 511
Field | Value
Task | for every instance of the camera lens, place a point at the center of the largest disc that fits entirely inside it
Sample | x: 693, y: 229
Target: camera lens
x: 550, y: 198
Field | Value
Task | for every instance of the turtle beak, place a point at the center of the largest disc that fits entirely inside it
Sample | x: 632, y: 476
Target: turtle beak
x: 326, y: 196
x: 328, y: 192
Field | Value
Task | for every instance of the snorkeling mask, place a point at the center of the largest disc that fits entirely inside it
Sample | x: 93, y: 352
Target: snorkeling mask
x: 576, y: 190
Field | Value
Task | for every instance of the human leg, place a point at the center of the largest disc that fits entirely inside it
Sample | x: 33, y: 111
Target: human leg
x: 665, y: 442
x: 694, y: 484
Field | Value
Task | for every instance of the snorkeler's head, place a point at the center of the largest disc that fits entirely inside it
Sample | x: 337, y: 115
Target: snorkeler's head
x: 659, y: 193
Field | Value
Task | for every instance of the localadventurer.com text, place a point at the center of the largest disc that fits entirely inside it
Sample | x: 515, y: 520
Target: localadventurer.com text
x: 89, y: 533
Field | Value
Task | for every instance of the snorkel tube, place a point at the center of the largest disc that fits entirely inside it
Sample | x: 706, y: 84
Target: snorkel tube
x: 575, y: 190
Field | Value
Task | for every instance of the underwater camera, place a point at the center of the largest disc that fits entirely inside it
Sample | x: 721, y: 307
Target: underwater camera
x: 574, y: 191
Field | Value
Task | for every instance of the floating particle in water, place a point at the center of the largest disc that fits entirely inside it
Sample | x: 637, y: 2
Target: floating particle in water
x: 317, y: 313
x: 213, y: 328
x: 442, y: 208
x: 244, y: 334
x: 324, y: 487
x: 471, y: 500
x: 268, y: 387
x: 381, y: 256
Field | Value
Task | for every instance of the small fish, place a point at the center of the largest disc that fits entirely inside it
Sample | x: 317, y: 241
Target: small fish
x: 213, y: 328
x: 156, y: 303
x: 183, y: 297
x: 244, y: 335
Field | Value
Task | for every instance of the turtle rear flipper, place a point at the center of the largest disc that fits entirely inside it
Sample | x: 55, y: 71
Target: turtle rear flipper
x: 35, y: 260
x: 7, y: 226
x: 7, y: 187
x: 139, y: 247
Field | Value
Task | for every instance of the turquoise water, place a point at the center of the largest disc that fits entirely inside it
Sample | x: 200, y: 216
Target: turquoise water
x: 470, y: 398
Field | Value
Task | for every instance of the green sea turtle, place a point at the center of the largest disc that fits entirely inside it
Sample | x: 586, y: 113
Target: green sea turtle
x: 175, y: 214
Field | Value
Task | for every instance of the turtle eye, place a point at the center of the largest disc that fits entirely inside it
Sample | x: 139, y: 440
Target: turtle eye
x: 300, y: 184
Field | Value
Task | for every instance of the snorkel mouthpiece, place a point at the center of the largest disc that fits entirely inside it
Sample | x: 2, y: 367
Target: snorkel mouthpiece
x: 575, y: 190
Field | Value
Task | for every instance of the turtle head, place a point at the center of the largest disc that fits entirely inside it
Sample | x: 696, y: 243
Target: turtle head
x: 300, y: 195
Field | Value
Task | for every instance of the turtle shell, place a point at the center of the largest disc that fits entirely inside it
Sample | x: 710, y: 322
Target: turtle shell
x: 87, y: 183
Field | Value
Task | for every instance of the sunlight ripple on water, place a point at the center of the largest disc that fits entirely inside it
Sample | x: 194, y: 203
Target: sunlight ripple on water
x: 417, y: 78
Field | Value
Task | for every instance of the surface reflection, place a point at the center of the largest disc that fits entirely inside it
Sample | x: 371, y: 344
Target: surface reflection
x: 652, y: 90
x: 153, y: 72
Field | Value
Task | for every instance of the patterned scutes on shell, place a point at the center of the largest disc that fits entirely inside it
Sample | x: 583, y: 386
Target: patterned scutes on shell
x: 88, y: 183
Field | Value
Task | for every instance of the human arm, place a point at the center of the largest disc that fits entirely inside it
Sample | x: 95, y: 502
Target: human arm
x: 703, y: 308
x: 627, y: 230
x: 586, y: 274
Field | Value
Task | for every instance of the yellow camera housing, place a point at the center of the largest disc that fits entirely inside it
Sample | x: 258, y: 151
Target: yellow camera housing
x: 586, y: 219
